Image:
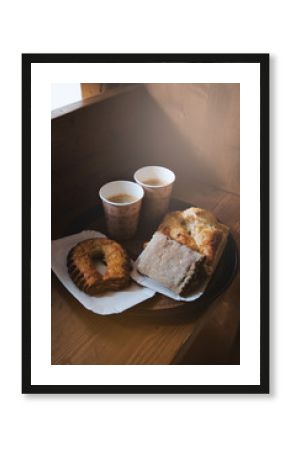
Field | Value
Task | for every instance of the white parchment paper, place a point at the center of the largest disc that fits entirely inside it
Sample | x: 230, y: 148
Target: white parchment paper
x: 109, y: 303
x: 157, y: 287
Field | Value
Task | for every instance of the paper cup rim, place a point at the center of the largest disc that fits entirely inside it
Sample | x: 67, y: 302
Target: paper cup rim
x: 104, y: 199
x: 140, y: 183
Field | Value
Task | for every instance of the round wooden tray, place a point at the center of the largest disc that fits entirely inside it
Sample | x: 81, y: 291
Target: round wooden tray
x: 224, y: 274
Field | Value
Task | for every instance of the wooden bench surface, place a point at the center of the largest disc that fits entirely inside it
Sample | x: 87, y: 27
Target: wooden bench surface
x: 207, y: 337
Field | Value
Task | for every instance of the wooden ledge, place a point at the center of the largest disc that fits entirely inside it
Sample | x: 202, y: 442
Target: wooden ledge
x: 59, y: 112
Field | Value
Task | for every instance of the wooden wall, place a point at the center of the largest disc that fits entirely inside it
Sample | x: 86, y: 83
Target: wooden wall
x: 192, y: 129
x: 89, y: 90
x: 208, y: 118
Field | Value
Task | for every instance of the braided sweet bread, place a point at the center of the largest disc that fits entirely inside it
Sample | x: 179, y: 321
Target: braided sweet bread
x: 200, y: 231
x: 82, y: 266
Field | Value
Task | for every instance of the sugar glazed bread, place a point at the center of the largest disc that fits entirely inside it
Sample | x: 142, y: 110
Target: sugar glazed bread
x: 185, y: 250
x: 82, y: 266
x: 174, y: 265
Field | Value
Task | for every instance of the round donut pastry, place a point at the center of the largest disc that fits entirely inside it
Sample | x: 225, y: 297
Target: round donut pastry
x: 82, y: 266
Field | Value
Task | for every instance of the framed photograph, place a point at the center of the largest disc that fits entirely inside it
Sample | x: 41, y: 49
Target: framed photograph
x: 140, y: 173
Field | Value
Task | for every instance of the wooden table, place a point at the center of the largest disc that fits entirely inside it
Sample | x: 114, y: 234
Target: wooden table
x: 212, y: 337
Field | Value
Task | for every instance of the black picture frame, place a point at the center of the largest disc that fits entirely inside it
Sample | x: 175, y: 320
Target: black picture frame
x: 263, y: 60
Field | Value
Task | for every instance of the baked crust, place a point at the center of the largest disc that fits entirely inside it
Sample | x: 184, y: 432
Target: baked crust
x: 199, y: 230
x: 82, y: 267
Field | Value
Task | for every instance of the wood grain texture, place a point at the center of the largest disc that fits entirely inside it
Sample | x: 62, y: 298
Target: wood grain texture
x: 205, y: 335
x: 109, y: 139
x: 81, y: 337
x: 91, y: 89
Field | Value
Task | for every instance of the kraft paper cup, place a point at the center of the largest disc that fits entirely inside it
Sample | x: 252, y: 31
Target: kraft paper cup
x: 121, y: 218
x: 157, y: 196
